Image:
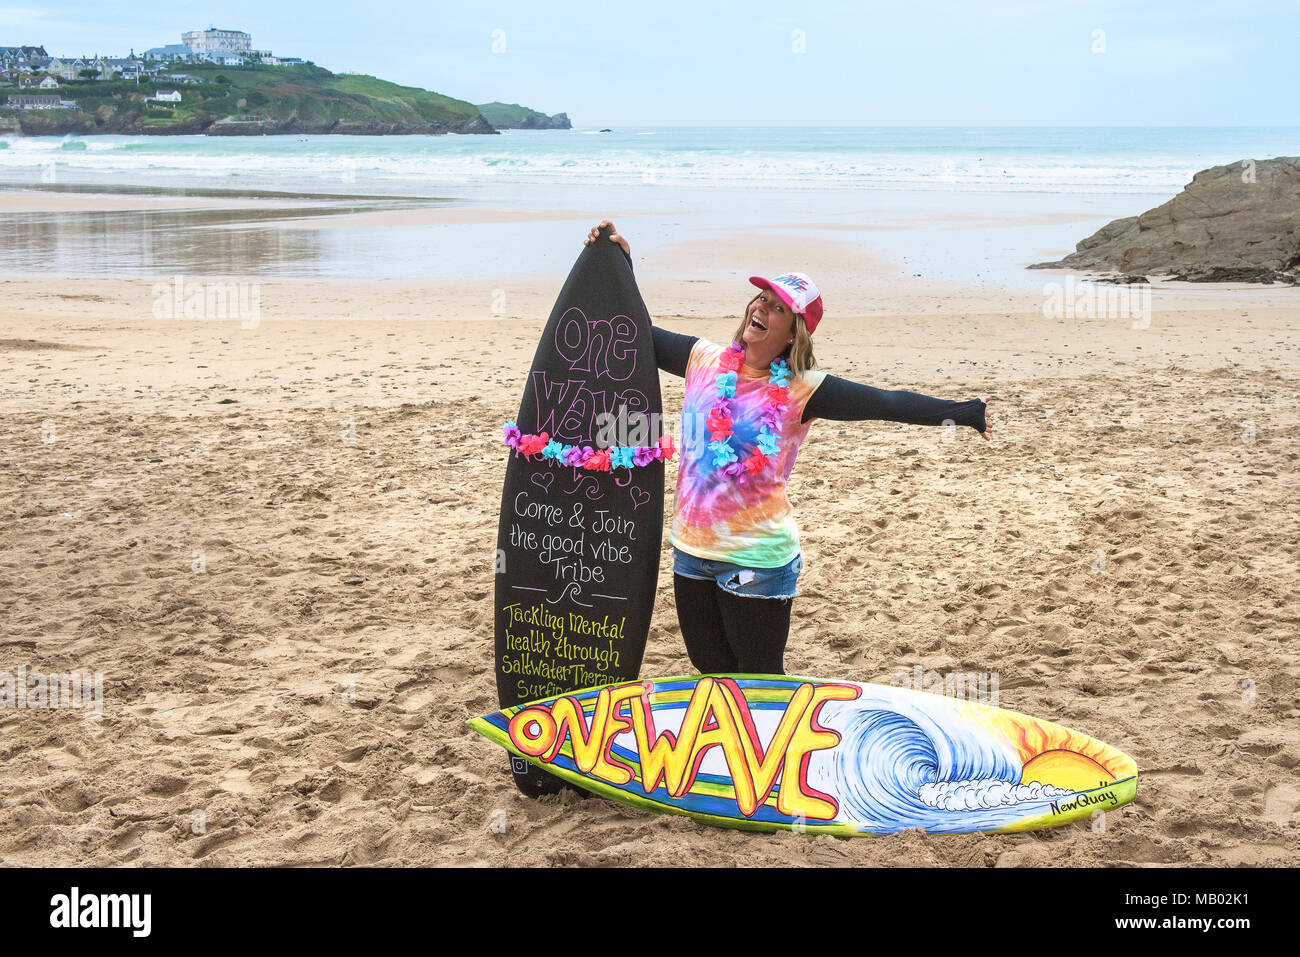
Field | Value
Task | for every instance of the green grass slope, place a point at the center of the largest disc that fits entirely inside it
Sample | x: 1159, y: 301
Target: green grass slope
x: 285, y: 99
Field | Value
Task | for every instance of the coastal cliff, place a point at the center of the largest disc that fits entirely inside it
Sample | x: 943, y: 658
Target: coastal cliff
x: 1239, y: 222
x: 251, y: 101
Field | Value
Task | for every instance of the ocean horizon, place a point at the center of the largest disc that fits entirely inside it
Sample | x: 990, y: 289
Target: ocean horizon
x: 994, y: 159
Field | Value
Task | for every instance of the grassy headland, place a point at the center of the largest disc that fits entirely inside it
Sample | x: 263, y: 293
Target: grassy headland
x: 251, y: 100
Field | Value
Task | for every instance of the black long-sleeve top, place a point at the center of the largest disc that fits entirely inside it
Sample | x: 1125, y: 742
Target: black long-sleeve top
x: 841, y: 399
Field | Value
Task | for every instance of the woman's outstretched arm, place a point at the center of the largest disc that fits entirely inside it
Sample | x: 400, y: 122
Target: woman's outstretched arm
x: 672, y: 350
x: 846, y: 401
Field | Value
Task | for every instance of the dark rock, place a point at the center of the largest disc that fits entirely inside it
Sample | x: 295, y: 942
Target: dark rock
x: 264, y: 126
x: 539, y: 121
x: 1242, y: 220
x: 1240, y: 274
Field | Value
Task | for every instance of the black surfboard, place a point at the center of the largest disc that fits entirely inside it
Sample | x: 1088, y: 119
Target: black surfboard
x: 578, y: 549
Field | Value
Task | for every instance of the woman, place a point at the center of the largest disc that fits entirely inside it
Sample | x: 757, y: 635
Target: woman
x: 736, y: 557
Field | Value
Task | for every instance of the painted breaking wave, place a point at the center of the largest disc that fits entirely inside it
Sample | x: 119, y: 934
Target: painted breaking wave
x: 975, y: 795
x: 899, y: 768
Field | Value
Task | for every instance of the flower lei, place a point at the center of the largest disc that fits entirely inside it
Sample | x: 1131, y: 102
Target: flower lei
x: 584, y: 456
x: 775, y: 396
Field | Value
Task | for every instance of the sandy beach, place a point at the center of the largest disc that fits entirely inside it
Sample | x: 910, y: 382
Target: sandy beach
x: 274, y: 539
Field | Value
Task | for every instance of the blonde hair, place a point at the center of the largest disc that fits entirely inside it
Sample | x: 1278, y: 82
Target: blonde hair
x: 798, y: 354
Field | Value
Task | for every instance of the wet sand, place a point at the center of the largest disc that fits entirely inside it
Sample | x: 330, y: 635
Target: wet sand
x: 349, y: 233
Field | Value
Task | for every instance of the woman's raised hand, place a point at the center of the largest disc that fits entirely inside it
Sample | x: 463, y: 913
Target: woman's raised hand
x: 613, y: 235
x: 988, y: 419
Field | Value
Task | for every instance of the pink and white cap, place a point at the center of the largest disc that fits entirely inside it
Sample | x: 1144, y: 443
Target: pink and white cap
x: 798, y: 292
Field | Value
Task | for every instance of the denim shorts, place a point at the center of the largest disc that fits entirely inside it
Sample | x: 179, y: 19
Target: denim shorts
x: 739, y: 579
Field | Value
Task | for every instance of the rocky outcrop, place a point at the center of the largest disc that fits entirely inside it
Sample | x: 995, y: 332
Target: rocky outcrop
x: 1239, y: 222
x: 263, y: 126
x: 245, y: 126
x: 540, y: 121
x: 512, y: 116
x: 479, y: 124
x: 77, y: 123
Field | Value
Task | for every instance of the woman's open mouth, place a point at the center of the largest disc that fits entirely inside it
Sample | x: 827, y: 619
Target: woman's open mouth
x: 754, y: 321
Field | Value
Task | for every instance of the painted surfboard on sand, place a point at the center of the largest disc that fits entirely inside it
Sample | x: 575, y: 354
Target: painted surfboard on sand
x: 769, y: 753
x: 577, y: 548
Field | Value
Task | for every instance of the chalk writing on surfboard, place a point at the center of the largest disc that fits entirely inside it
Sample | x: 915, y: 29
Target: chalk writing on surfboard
x: 573, y: 536
x: 601, y: 358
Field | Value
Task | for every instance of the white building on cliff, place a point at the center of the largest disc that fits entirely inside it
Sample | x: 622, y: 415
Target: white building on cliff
x: 213, y: 42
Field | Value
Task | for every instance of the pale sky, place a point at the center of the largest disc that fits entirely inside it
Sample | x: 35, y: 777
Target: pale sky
x: 736, y: 62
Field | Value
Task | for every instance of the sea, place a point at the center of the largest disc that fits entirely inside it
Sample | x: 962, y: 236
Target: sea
x: 670, y: 182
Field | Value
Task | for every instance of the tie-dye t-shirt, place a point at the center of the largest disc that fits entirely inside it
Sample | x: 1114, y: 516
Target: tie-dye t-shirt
x: 747, y: 520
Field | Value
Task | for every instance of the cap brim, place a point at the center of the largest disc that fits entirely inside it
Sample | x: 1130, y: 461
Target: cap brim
x: 762, y: 283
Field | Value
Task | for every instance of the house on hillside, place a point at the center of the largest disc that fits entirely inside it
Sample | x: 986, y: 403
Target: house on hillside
x: 170, y: 52
x: 166, y: 96
x: 22, y: 61
x: 13, y: 55
x: 68, y: 69
x: 118, y: 68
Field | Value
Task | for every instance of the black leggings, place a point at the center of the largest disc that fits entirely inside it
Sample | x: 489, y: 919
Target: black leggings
x: 726, y: 633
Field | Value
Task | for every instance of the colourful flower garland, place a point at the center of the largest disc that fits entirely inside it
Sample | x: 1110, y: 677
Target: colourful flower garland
x: 584, y: 456
x: 775, y: 396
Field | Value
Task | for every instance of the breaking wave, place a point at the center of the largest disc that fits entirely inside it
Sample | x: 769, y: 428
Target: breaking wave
x: 898, y: 767
x: 974, y: 795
